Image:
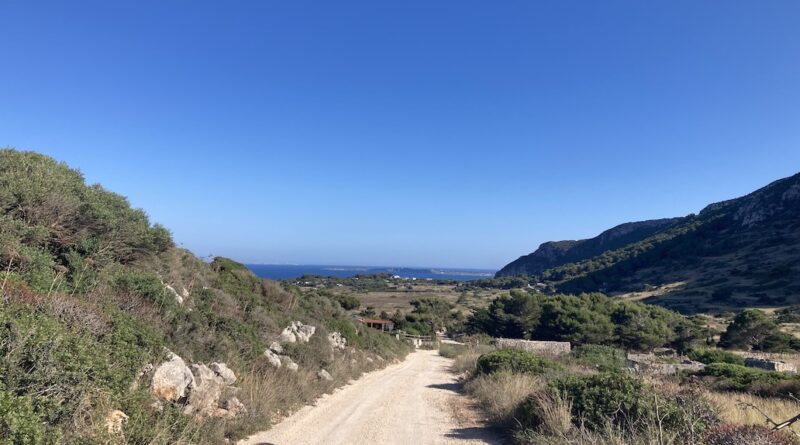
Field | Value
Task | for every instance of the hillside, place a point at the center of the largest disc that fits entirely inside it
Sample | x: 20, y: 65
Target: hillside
x: 556, y: 253
x: 737, y: 253
x: 109, y: 333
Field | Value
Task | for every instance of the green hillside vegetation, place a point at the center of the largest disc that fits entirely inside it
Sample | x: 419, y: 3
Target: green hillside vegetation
x: 585, y: 319
x: 738, y: 253
x: 596, y: 319
x: 92, y: 292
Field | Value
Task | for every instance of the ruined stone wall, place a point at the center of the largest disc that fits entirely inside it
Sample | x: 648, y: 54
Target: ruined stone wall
x: 546, y: 348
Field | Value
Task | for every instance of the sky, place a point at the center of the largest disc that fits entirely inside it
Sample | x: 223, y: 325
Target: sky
x: 414, y: 133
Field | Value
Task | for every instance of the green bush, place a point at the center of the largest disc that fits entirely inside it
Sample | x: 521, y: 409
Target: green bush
x: 603, y: 358
x: 730, y: 377
x: 600, y: 398
x: 347, y: 301
x: 516, y: 361
x: 709, y: 356
x: 21, y: 424
x: 145, y: 285
x: 616, y: 401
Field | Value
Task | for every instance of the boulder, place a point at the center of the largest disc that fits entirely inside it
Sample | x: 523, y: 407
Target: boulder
x: 273, y: 358
x: 234, y: 407
x: 276, y: 347
x: 337, y: 341
x: 297, y: 332
x: 288, y: 363
x: 305, y: 332
x: 324, y: 375
x: 222, y: 370
x: 205, y: 391
x: 171, y: 379
x: 288, y: 336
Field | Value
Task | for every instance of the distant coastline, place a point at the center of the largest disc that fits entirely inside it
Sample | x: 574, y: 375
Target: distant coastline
x: 291, y: 271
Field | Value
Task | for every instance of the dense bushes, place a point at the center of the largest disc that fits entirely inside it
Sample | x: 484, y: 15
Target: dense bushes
x: 598, y: 398
x: 709, y: 356
x: 545, y: 402
x: 514, y: 360
x: 584, y: 319
x: 21, y: 424
x: 754, y: 329
x: 347, y: 301
x: 46, y: 207
x: 731, y: 377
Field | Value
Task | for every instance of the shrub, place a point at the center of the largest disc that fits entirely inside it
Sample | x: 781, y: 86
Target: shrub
x: 752, y: 328
x: 604, y: 397
x: 516, y: 361
x: 616, y: 400
x: 709, y: 356
x: 20, y: 424
x: 730, y: 434
x: 603, y: 358
x: 346, y: 301
x: 740, y: 378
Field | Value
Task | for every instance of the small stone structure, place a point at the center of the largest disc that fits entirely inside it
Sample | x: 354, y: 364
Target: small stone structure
x: 546, y: 348
x: 652, y: 364
x: 770, y: 365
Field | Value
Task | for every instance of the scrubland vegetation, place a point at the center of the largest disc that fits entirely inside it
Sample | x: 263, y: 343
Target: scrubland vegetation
x: 92, y: 292
x: 596, y: 396
x: 589, y: 397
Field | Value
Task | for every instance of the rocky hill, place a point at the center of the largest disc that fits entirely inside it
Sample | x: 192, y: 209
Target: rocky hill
x: 736, y: 253
x: 556, y: 253
x: 111, y: 334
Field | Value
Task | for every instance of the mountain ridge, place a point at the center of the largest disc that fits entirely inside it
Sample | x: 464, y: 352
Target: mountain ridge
x: 733, y: 253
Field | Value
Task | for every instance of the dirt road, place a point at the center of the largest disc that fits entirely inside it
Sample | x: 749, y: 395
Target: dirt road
x: 411, y: 403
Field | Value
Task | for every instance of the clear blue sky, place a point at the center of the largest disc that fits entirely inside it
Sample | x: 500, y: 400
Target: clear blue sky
x: 440, y: 133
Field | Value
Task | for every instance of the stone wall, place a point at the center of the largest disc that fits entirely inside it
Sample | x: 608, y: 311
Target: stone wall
x: 546, y: 348
x: 770, y: 365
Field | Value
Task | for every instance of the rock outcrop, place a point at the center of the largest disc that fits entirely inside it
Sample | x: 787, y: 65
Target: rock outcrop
x: 273, y: 358
x: 337, y: 341
x: 289, y: 363
x: 222, y: 370
x: 297, y: 332
x: 324, y: 375
x: 171, y: 379
x: 204, y: 391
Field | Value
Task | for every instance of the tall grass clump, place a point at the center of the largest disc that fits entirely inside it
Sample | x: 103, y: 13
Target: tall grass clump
x: 500, y: 394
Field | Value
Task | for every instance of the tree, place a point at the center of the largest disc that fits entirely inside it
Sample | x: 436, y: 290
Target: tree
x: 754, y: 329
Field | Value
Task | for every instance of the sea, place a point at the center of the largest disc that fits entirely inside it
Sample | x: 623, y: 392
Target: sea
x: 291, y: 271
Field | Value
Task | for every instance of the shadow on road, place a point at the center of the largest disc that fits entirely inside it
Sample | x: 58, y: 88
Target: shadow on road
x: 454, y: 387
x: 474, y: 433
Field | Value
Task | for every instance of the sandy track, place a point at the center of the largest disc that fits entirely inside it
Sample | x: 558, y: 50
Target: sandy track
x: 410, y: 403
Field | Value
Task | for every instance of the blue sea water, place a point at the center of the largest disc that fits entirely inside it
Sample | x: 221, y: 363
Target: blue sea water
x: 287, y: 272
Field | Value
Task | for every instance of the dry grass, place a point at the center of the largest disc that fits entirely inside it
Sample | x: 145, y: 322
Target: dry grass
x: 466, y: 363
x: 500, y: 394
x: 738, y: 408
